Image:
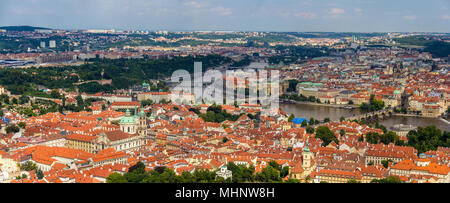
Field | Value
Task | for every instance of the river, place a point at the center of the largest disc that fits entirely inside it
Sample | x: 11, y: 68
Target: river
x: 321, y: 112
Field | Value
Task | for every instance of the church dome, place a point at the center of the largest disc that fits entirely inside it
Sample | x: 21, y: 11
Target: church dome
x: 128, y: 118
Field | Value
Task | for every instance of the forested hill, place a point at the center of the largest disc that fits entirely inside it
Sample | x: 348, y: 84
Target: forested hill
x: 123, y: 72
x: 22, y: 28
x: 127, y: 72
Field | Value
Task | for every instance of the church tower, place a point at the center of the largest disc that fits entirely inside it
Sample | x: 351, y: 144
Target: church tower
x: 142, y: 126
x: 306, y: 156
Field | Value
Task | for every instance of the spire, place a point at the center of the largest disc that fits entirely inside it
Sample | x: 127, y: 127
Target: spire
x: 306, y: 148
x: 135, y: 111
x: 142, y: 112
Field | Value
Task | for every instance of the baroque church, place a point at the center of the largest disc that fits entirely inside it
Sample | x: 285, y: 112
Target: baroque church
x: 134, y: 124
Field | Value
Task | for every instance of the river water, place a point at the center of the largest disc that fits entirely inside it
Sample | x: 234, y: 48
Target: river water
x: 321, y: 112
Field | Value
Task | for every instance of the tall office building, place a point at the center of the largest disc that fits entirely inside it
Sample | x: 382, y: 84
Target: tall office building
x: 42, y: 44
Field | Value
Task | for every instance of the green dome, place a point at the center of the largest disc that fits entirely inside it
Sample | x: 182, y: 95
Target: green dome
x: 128, y: 118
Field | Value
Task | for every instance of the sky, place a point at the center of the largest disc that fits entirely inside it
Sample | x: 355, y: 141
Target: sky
x: 232, y: 15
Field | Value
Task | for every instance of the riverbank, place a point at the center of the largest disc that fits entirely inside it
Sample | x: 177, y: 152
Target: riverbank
x: 322, y: 111
x: 413, y: 115
x: 328, y: 105
x: 445, y: 120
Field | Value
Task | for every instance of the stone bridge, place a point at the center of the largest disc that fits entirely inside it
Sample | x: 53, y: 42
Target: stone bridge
x: 372, y: 115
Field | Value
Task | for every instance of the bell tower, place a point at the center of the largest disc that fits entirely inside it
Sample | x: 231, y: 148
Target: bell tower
x: 306, y: 156
x: 142, y: 123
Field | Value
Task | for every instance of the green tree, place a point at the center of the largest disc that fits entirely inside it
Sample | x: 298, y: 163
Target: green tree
x: 148, y: 102
x: 428, y: 138
x: 268, y: 175
x: 224, y: 139
x: 55, y: 94
x: 310, y: 130
x: 291, y: 117
x: 12, y: 129
x: 385, y: 163
x: 22, y: 125
x: 390, y: 179
x: 284, y: 172
x: 116, y: 178
x: 28, y: 166
x: 23, y: 99
x: 326, y: 135
x: 39, y: 174
x: 80, y: 101
x: 373, y: 105
x: 304, y: 123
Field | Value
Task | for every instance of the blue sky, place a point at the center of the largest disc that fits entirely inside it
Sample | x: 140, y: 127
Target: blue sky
x: 243, y: 15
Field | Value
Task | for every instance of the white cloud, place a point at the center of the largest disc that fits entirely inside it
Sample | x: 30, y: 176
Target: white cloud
x: 222, y: 10
x: 194, y: 4
x: 410, y: 17
x: 358, y: 10
x: 337, y: 11
x: 446, y: 17
x: 307, y: 15
x: 203, y: 7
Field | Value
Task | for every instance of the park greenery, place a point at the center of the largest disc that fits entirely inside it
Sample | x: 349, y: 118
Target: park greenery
x: 300, y: 97
x: 244, y: 62
x: 428, y: 138
x: 390, y: 179
x: 326, y: 135
x: 216, y: 114
x: 272, y: 173
x: 296, y: 54
x: 385, y: 138
x: 423, y: 139
x: 373, y: 105
x: 124, y: 73
x: 436, y: 47
x: 333, y: 34
x: 31, y: 166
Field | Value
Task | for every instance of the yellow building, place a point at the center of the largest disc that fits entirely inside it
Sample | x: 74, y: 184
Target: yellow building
x: 81, y: 142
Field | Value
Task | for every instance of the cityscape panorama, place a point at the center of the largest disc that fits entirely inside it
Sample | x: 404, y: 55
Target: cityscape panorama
x: 224, y: 92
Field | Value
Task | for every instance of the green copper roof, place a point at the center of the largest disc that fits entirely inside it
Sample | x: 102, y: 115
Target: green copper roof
x: 317, y: 84
x: 142, y: 112
x: 127, y: 119
x: 306, y: 148
x: 397, y: 92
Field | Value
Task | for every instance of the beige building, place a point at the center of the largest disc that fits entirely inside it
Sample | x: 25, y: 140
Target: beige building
x: 421, y: 167
x: 431, y: 110
x: 82, y: 142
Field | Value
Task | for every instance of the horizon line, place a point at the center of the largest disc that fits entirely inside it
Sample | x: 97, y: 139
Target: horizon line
x: 206, y: 30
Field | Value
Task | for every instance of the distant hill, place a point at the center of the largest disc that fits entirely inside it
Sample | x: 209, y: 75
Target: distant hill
x: 22, y: 28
